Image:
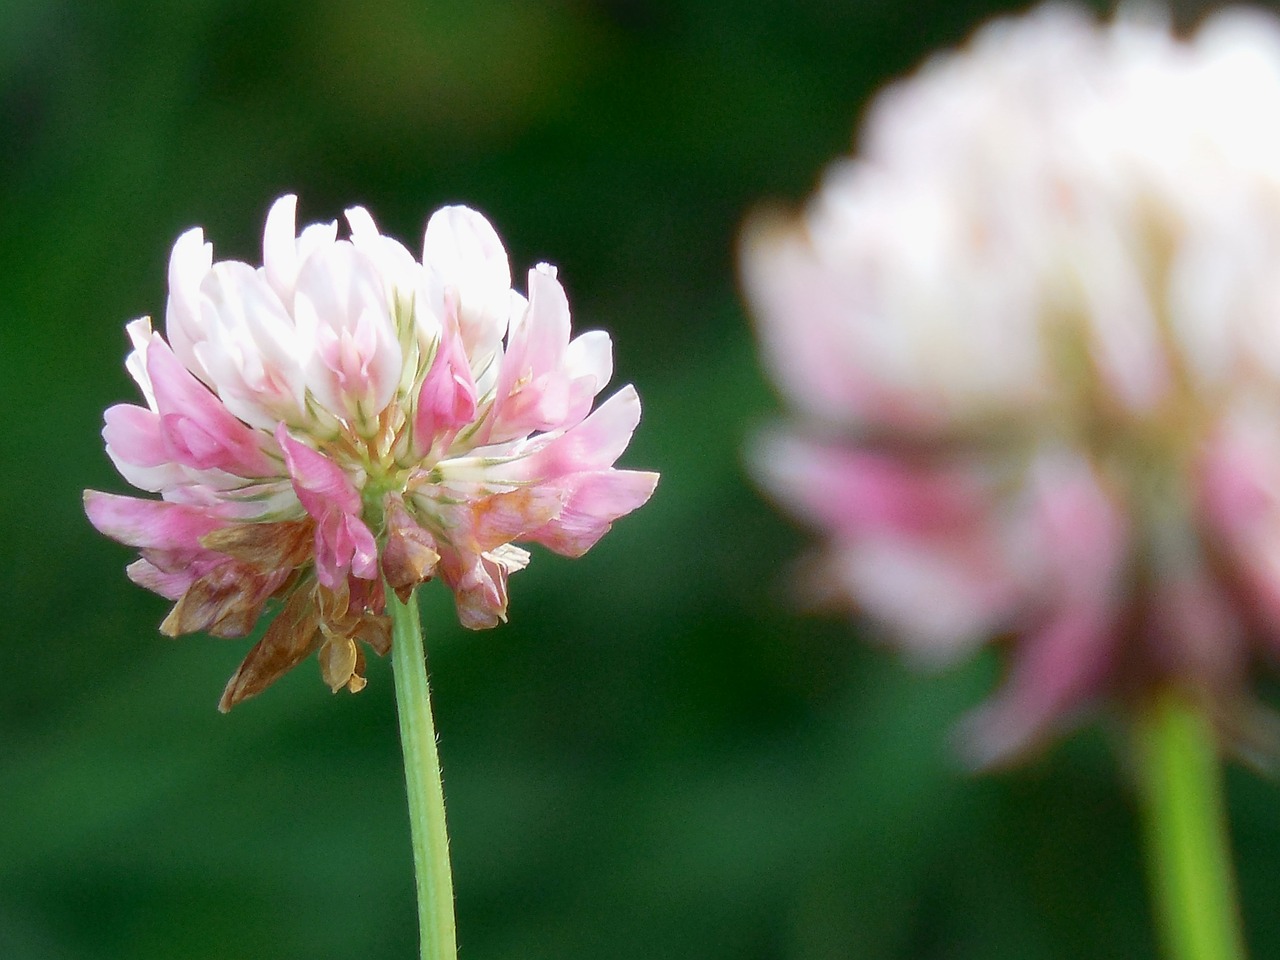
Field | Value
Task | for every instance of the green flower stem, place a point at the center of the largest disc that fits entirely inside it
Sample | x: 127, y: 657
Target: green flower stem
x: 422, y: 778
x: 1186, y: 828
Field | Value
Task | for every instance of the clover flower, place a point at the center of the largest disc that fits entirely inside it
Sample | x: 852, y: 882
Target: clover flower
x: 1032, y: 331
x: 344, y: 419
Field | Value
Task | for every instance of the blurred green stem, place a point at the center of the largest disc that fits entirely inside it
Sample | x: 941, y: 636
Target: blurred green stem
x: 422, y: 777
x: 1186, y: 828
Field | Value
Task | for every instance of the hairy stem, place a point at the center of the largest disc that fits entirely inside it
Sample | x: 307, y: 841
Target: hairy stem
x: 422, y: 778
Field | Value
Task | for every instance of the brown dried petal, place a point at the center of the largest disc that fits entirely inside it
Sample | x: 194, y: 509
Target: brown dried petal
x: 333, y: 604
x: 288, y: 641
x: 265, y: 546
x: 409, y: 557
x: 357, y: 681
x: 376, y: 632
x: 225, y: 602
x: 338, y: 657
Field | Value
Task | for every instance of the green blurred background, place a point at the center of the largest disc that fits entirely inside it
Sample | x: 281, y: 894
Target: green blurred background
x: 657, y: 757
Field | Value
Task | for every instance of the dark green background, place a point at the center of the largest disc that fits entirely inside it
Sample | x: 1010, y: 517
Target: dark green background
x: 656, y: 757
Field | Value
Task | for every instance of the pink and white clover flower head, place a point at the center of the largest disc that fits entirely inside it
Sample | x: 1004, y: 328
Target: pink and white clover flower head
x: 1032, y: 332
x: 347, y: 418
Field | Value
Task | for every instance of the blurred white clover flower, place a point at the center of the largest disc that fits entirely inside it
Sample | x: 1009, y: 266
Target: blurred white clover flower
x: 1032, y: 330
x: 346, y: 415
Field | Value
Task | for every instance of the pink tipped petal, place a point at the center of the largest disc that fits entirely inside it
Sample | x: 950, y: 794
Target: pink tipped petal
x: 343, y: 543
x: 462, y: 252
x: 595, y: 501
x: 341, y: 302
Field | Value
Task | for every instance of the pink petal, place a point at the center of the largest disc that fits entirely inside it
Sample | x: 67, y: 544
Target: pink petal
x: 171, y: 586
x: 504, y: 517
x: 320, y: 483
x: 190, y: 414
x: 593, y: 444
x: 134, y: 434
x: 807, y: 322
x: 343, y: 541
x: 150, y: 523
x: 595, y: 500
x: 447, y: 400
x: 479, y: 584
x: 545, y: 328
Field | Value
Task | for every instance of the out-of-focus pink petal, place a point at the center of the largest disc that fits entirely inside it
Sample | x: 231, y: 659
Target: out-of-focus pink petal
x: 940, y: 595
x: 854, y: 491
x: 808, y: 320
x: 1081, y: 537
x: 1194, y: 629
x: 1056, y: 670
x: 1239, y: 472
x: 1079, y: 533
